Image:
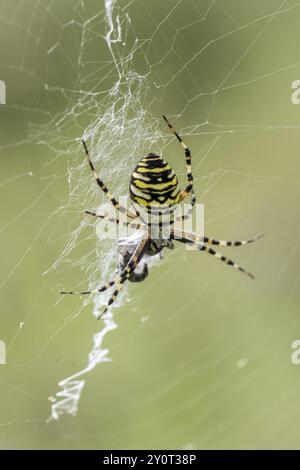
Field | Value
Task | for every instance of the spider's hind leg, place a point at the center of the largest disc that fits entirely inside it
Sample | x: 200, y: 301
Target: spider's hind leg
x: 211, y: 241
x: 198, y: 242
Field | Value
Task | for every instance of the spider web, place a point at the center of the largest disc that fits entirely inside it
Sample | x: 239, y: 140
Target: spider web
x: 107, y: 71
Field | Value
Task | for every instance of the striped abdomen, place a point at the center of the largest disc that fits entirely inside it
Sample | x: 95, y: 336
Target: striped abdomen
x: 154, y: 184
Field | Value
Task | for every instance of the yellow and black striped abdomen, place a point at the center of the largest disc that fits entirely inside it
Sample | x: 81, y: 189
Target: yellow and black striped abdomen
x: 153, y: 183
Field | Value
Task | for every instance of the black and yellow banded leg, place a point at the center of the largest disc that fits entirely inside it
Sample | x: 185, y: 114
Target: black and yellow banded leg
x: 212, y: 241
x: 103, y: 187
x: 188, y: 190
x: 224, y: 259
x: 134, y: 260
x: 94, y: 291
x: 184, y: 193
x: 116, y: 220
x: 188, y: 158
x: 132, y: 264
x: 119, y: 280
x: 201, y: 247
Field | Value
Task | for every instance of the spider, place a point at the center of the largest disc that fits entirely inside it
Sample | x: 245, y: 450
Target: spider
x: 154, y: 188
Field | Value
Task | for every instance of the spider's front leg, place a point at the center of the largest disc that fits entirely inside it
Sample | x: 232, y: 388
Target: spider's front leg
x: 128, y: 270
x: 118, y: 280
x: 140, y: 272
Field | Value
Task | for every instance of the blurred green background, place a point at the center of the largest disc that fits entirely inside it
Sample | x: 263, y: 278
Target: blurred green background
x: 201, y: 357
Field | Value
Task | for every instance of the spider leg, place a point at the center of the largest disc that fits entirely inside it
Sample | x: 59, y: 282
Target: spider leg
x: 188, y: 157
x: 211, y: 241
x: 185, y: 192
x: 115, y: 220
x: 132, y: 264
x: 183, y: 195
x: 120, y: 279
x: 188, y: 161
x: 186, y: 238
x: 103, y: 187
x: 94, y: 291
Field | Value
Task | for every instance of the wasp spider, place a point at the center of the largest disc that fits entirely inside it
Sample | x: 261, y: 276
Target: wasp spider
x: 153, y: 188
